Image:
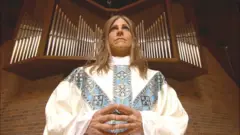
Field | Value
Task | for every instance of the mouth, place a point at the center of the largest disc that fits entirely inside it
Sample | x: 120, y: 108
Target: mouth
x: 119, y: 39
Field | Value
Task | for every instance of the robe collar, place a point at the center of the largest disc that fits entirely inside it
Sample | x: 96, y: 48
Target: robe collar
x: 120, y: 60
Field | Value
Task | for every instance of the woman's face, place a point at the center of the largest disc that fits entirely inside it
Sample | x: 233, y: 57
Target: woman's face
x: 120, y: 38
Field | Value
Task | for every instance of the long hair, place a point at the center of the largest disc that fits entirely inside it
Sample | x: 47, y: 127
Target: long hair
x: 103, y: 51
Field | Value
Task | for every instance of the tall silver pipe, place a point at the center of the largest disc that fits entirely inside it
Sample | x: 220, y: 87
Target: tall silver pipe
x: 25, y: 28
x: 55, y: 33
x: 67, y: 52
x: 53, y: 29
x: 18, y: 41
x: 167, y: 36
x: 64, y: 34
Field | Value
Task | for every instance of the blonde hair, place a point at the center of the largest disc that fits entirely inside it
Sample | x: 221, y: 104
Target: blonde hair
x: 103, y: 52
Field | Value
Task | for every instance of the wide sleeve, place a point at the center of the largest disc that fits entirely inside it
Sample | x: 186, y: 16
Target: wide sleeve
x: 65, y: 111
x: 168, y: 116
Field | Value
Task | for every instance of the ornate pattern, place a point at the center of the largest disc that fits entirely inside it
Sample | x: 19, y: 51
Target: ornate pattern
x: 75, y: 76
x: 97, y: 99
x: 91, y: 92
x: 149, y: 95
x: 122, y: 88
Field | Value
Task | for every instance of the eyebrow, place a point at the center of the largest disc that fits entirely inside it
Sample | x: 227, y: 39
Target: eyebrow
x: 113, y: 26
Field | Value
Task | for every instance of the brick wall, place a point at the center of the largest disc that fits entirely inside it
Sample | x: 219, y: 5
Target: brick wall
x: 212, y: 102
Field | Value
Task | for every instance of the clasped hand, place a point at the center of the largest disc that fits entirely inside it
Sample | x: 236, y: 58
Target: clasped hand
x: 98, y: 125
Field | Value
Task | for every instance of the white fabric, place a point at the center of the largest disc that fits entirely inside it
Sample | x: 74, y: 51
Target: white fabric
x: 68, y: 114
x: 120, y: 60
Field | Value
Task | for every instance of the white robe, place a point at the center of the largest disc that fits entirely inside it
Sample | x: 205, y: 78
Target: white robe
x: 68, y: 113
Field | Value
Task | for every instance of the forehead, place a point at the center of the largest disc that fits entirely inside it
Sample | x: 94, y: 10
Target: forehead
x: 119, y: 21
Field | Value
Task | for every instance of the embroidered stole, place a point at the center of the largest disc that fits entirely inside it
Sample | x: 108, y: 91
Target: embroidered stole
x: 122, y: 90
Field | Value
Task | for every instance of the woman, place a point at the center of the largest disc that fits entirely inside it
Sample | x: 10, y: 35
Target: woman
x: 117, y: 94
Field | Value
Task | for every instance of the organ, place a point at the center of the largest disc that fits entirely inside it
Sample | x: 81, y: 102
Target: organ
x: 59, y: 35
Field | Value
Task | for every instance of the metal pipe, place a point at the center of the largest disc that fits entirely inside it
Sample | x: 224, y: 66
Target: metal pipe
x: 192, y: 45
x: 31, y: 42
x: 196, y: 42
x: 39, y: 32
x: 188, y: 45
x: 151, y: 42
x: 67, y: 52
x: 79, y: 35
x: 64, y: 33
x: 56, y: 31
x: 18, y: 41
x: 71, y: 38
x: 167, y: 36
x: 184, y: 45
x: 163, y: 37
x: 59, y: 31
x: 156, y: 40
x: 61, y: 44
x: 143, y: 39
x: 24, y: 40
x: 147, y: 43
x: 52, y: 29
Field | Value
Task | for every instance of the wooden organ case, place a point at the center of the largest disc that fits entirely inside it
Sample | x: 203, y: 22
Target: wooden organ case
x: 57, y: 36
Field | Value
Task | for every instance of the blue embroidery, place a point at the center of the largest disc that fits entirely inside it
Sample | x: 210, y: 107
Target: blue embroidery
x: 149, y: 95
x: 91, y: 92
x: 97, y: 99
x: 122, y: 88
x: 75, y: 77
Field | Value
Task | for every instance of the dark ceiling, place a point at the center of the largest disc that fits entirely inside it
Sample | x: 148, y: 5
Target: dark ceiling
x: 114, y: 3
x: 218, y: 21
x: 118, y: 3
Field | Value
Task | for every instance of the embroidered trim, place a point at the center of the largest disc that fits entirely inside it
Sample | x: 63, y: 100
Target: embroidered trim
x: 97, y: 99
x: 122, y: 88
x: 91, y: 92
x: 149, y: 95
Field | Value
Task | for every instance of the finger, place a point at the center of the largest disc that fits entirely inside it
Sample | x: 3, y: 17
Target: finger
x: 126, y: 125
x: 97, y: 132
x: 124, y: 118
x: 93, y: 131
x: 129, y: 132
x: 107, y: 117
x: 128, y: 118
x: 107, y: 133
x: 103, y: 127
x: 108, y: 109
x: 100, y: 132
x: 133, y: 118
x: 125, y: 109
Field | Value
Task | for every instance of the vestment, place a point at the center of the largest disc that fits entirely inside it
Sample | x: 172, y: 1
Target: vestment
x: 72, y: 104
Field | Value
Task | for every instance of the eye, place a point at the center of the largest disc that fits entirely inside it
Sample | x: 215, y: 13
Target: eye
x: 113, y: 28
x: 125, y: 27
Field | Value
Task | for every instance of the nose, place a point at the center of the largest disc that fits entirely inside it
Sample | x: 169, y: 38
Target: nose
x: 119, y: 32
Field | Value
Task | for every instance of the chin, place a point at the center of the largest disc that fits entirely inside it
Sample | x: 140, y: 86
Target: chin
x: 121, y: 46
